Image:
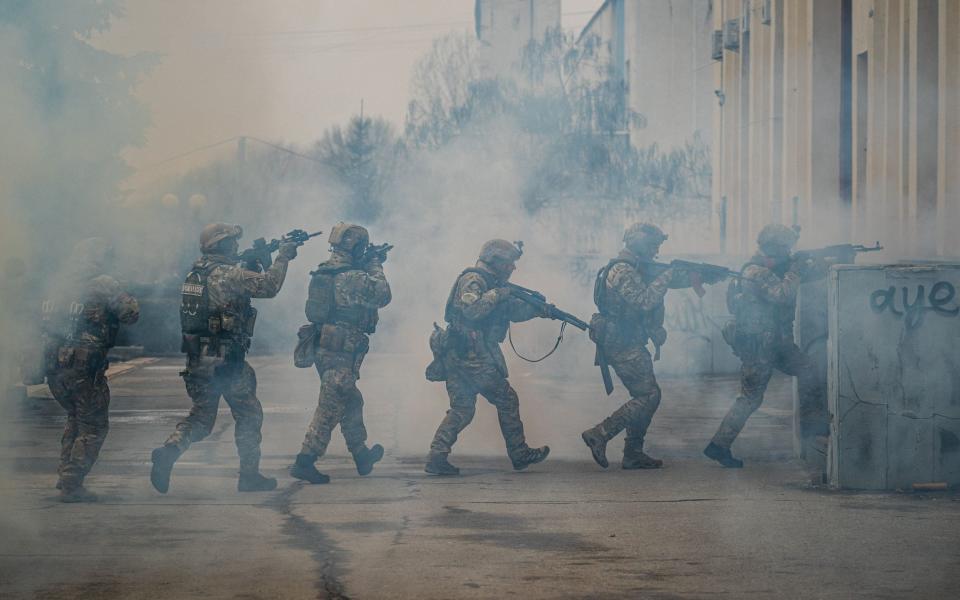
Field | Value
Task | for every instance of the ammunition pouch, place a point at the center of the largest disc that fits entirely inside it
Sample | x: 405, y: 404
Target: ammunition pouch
x: 748, y: 346
x: 605, y: 330
x: 305, y: 353
x: 233, y: 324
x: 439, y: 342
x: 230, y: 349
x: 80, y: 357
x: 362, y: 318
x: 465, y: 343
x: 598, y: 328
x: 336, y: 338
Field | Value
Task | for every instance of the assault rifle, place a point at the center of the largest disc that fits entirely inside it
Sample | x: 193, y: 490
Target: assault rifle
x: 705, y: 270
x: 538, y: 300
x: 845, y: 253
x: 260, y: 256
x: 375, y: 251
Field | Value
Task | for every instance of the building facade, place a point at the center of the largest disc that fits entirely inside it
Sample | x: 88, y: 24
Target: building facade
x: 661, y: 51
x: 840, y: 116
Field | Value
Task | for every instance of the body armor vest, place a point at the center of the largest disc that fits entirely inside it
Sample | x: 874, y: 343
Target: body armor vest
x: 753, y: 313
x: 77, y: 320
x: 322, y: 306
x: 625, y: 315
x: 228, y: 327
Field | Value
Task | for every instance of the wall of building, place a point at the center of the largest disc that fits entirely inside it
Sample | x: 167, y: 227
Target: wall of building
x: 662, y: 50
x: 841, y: 116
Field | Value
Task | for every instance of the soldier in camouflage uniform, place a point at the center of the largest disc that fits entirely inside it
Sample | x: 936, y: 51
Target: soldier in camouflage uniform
x: 764, y: 306
x: 81, y: 319
x: 478, y: 311
x: 345, y: 294
x: 216, y: 351
x: 629, y: 295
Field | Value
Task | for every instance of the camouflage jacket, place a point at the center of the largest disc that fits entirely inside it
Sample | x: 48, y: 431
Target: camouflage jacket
x: 633, y: 296
x: 346, y: 295
x: 231, y: 287
x: 767, y: 303
x: 87, y: 311
x: 479, y: 315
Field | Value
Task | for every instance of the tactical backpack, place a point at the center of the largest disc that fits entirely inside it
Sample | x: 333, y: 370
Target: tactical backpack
x: 195, y: 303
x: 600, y: 319
x: 440, y: 338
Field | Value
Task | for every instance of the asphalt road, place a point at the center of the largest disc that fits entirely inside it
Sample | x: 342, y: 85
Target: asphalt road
x: 562, y: 529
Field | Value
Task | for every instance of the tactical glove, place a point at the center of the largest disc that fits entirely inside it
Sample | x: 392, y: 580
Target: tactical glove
x: 288, y: 250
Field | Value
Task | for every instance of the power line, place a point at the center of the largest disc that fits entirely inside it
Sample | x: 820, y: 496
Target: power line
x: 227, y: 141
x: 189, y: 152
x: 284, y: 149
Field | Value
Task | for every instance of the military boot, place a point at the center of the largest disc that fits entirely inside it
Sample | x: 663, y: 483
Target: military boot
x: 304, y: 469
x: 76, y: 493
x: 723, y: 456
x: 163, y: 459
x: 253, y: 481
x: 524, y: 457
x: 596, y: 439
x: 365, y: 458
x: 636, y: 458
x: 437, y: 464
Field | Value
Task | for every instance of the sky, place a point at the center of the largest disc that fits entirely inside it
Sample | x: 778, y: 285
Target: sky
x: 279, y: 69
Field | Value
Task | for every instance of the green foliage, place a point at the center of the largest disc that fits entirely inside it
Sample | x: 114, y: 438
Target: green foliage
x: 67, y: 110
x: 363, y: 158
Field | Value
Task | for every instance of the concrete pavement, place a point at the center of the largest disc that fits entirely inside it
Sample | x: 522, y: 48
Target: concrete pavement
x: 563, y: 529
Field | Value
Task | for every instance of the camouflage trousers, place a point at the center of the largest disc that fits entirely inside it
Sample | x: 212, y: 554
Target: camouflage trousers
x: 340, y: 403
x: 634, y: 366
x: 86, y: 398
x: 466, y: 379
x: 755, y: 374
x: 207, y: 379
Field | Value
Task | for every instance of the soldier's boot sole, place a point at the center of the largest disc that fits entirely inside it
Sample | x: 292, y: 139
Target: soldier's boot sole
x: 256, y: 483
x: 77, y: 494
x: 641, y: 462
x: 370, y: 458
x: 309, y: 474
x: 163, y: 459
x: 442, y: 467
x: 722, y: 456
x: 597, y: 445
x: 537, y: 455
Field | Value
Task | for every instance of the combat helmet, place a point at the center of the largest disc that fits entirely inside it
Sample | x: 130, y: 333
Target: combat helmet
x: 776, y: 234
x: 643, y: 236
x: 499, y: 251
x: 214, y: 233
x: 348, y: 237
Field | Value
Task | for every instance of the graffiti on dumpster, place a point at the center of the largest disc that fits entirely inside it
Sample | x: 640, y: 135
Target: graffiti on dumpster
x: 913, y: 311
